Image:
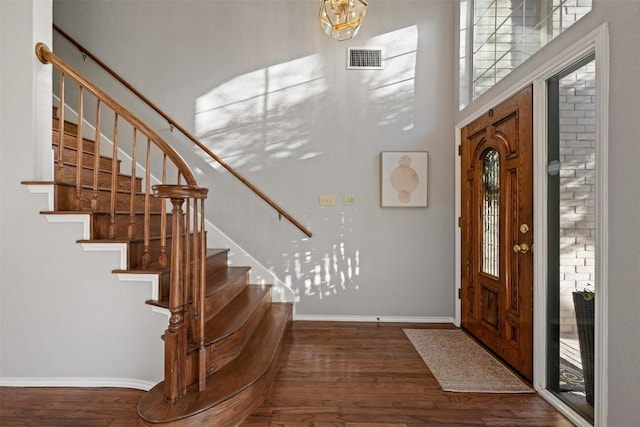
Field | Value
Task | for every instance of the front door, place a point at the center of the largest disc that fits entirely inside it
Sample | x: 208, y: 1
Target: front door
x: 497, y: 231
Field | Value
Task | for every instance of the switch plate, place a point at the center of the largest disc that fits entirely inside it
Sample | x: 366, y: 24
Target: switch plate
x: 327, y: 200
x: 349, y: 199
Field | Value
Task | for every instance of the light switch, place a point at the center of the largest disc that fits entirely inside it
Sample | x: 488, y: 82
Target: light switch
x: 327, y: 200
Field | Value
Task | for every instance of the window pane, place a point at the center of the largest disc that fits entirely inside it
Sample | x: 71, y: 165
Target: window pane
x: 507, y: 32
x: 577, y: 156
x: 491, y: 213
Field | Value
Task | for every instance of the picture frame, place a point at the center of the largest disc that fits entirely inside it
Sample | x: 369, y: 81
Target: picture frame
x: 404, y: 178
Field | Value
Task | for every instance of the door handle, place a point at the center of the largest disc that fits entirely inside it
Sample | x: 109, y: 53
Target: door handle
x: 522, y: 248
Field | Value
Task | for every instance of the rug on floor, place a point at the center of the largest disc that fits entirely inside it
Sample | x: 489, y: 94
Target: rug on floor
x: 462, y: 365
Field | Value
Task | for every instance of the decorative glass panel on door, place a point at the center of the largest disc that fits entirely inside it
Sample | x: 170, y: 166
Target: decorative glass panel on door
x: 491, y: 213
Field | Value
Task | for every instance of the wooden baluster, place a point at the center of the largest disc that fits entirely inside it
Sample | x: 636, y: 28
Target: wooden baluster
x: 132, y: 206
x: 60, y: 170
x: 201, y: 273
x: 96, y: 160
x: 175, y: 338
x: 147, y: 204
x: 194, y: 276
x: 163, y: 219
x: 188, y: 294
x: 114, y: 179
x: 79, y: 149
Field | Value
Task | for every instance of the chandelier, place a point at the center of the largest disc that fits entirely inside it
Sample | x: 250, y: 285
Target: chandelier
x: 341, y: 19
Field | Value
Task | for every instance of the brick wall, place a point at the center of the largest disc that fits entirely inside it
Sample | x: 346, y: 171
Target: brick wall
x: 577, y: 188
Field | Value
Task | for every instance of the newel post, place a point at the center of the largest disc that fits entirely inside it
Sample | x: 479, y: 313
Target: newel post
x: 175, y: 338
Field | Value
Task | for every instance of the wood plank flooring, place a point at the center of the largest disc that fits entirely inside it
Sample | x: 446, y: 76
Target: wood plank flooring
x: 57, y: 407
x: 331, y: 374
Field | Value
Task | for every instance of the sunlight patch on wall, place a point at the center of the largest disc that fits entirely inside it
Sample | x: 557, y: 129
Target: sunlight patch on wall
x: 264, y: 111
x: 392, y: 90
x: 322, y: 275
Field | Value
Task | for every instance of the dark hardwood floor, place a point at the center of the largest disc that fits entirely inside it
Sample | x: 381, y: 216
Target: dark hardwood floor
x: 57, y: 407
x: 332, y: 374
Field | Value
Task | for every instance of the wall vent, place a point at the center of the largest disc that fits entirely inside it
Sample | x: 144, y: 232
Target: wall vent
x: 364, y: 59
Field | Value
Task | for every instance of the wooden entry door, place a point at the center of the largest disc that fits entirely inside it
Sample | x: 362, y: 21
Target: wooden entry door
x: 497, y: 231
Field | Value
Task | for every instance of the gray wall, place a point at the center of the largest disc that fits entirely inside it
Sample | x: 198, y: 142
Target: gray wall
x: 624, y: 197
x: 264, y: 88
x: 64, y: 318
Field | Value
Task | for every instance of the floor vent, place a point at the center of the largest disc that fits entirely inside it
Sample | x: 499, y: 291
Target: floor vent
x: 364, y: 59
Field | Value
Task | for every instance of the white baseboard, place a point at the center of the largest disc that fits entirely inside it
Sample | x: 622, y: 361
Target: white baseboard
x: 77, y: 382
x: 374, y: 319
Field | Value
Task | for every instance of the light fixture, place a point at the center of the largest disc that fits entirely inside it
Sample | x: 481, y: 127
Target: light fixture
x: 341, y: 19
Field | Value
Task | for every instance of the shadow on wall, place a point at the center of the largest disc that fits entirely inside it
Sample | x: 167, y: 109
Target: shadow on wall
x: 269, y: 114
x: 283, y: 127
x: 262, y: 115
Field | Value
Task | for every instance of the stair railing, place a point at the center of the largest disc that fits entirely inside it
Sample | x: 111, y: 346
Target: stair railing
x: 187, y: 134
x: 183, y: 272
x: 92, y: 192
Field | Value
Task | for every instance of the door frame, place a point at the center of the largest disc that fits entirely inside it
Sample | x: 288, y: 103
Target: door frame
x: 596, y: 41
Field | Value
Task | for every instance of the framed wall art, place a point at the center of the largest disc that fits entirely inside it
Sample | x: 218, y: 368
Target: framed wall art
x: 403, y: 178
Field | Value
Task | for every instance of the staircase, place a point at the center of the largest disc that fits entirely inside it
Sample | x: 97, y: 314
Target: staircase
x: 225, y: 336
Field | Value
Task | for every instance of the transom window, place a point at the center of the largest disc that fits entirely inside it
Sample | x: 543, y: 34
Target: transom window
x: 498, y: 35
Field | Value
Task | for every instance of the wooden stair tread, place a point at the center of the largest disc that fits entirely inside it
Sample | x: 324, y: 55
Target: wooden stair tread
x: 221, y: 276
x: 89, y: 167
x: 122, y: 240
x: 216, y: 251
x: 98, y: 212
x: 90, y: 188
x: 231, y: 318
x: 227, y: 385
x: 69, y: 134
x: 215, y: 282
x: 157, y: 269
x: 87, y: 144
x: 69, y: 127
x: 117, y: 240
x: 37, y: 182
x: 153, y: 216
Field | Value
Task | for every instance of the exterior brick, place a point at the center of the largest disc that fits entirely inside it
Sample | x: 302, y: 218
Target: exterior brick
x: 577, y: 188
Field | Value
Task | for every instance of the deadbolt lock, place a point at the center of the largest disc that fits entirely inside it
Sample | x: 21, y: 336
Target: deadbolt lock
x: 524, y: 228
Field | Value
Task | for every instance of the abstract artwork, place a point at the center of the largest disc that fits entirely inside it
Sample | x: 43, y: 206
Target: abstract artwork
x: 403, y: 178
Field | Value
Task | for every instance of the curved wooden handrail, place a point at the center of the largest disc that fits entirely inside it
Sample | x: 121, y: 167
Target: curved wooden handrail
x: 186, y: 133
x: 45, y: 56
x: 180, y: 191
